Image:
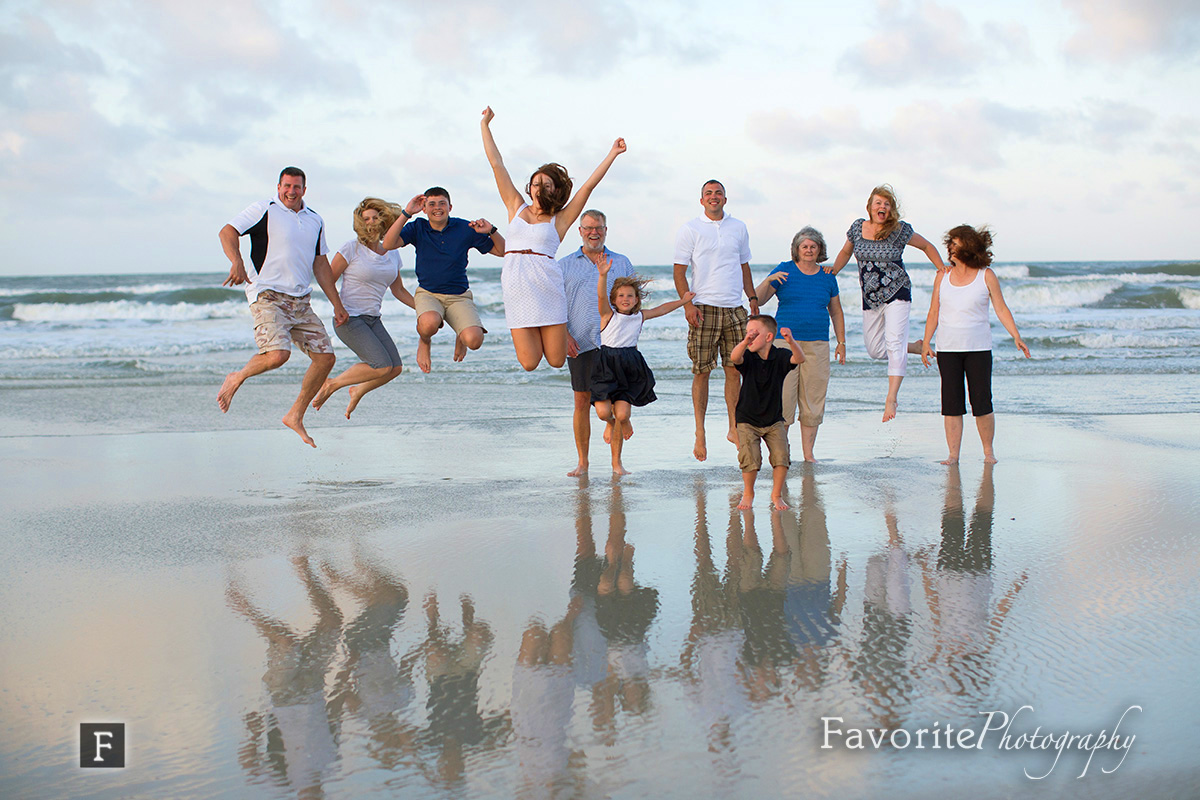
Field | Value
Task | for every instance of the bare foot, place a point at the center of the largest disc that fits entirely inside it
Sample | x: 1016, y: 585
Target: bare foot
x: 778, y: 504
x: 810, y: 458
x: 355, y: 395
x: 423, y: 355
x: 700, y: 451
x: 579, y: 470
x: 296, y: 423
x: 746, y: 502
x: 608, y: 426
x: 950, y: 461
x: 232, y: 383
x: 989, y: 458
x: 619, y: 470
x: 732, y: 436
x: 460, y: 349
x: 889, y: 410
x: 326, y: 390
x: 627, y: 432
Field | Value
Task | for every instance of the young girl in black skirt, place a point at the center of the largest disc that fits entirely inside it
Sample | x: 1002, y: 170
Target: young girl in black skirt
x: 621, y: 378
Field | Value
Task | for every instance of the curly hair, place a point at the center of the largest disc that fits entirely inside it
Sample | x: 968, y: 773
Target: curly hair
x: 639, y: 288
x: 809, y: 232
x: 974, y: 248
x: 893, y: 220
x: 553, y: 201
x: 388, y: 214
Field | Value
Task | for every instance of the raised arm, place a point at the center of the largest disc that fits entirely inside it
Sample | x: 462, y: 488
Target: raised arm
x: 566, y: 218
x: 739, y: 350
x: 931, y: 319
x: 237, y: 267
x: 925, y: 246
x: 324, y: 277
x: 667, y: 308
x: 843, y: 257
x: 606, y: 311
x: 793, y: 345
x: 1002, y: 313
x: 508, y: 192
x: 391, y: 239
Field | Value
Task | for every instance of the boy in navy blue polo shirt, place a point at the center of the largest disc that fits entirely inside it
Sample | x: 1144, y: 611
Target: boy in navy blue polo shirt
x: 442, y: 243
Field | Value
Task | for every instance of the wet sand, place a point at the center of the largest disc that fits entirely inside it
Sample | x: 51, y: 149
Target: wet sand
x: 415, y: 610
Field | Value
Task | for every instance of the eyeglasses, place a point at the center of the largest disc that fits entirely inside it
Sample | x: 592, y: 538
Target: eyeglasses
x: 593, y: 229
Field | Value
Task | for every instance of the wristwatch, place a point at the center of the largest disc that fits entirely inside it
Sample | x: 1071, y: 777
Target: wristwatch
x: 492, y: 232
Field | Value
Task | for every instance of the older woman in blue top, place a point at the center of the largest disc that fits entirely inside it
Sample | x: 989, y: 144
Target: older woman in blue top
x: 808, y: 301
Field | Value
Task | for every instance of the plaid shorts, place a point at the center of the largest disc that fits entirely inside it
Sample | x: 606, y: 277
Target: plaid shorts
x: 280, y: 319
x: 718, y: 332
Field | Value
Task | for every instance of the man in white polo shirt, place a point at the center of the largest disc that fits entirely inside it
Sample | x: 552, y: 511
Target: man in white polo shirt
x: 287, y: 251
x: 717, y: 248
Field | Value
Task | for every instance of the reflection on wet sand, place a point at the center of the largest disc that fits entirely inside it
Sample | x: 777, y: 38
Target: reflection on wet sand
x: 769, y: 629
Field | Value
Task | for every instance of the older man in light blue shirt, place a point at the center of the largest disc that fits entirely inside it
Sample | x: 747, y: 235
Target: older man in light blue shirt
x: 583, y: 319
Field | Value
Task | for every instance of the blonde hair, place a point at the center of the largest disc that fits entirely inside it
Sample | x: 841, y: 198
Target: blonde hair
x: 639, y: 288
x: 372, y: 233
x: 892, y: 222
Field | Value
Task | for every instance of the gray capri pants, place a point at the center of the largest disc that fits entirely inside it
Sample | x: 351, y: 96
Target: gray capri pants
x: 370, y: 341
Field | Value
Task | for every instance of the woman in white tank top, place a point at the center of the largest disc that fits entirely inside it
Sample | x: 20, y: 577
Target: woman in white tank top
x: 959, y: 314
x: 535, y: 296
x: 621, y: 378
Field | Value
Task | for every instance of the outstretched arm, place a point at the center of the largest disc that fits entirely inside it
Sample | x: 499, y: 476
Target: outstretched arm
x: 508, y: 192
x: 925, y: 246
x: 324, y: 277
x: 606, y: 311
x: 931, y: 319
x: 843, y: 257
x: 566, y: 218
x: 391, y: 239
x: 1002, y: 313
x: 667, y: 308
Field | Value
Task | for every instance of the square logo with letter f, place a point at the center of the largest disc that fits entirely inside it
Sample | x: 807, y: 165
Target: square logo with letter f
x: 102, y: 744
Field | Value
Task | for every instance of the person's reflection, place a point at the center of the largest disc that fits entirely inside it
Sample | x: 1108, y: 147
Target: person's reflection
x: 299, y: 745
x: 452, y: 667
x: 812, y: 605
x: 624, y: 611
x: 543, y: 692
x: 714, y: 642
x: 761, y: 600
x: 881, y: 666
x: 371, y: 684
x: 959, y: 590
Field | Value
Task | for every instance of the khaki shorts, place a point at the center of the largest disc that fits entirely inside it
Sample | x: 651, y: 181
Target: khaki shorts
x: 750, y: 451
x: 807, y: 384
x: 718, y: 332
x: 280, y: 319
x: 457, y: 309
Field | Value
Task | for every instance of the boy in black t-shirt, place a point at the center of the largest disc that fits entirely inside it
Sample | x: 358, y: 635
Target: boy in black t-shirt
x: 759, y: 411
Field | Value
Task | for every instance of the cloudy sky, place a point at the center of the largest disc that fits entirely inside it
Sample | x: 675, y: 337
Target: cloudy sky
x: 130, y: 132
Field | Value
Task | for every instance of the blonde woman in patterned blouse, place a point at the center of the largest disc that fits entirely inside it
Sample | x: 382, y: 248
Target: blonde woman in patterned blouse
x: 878, y: 243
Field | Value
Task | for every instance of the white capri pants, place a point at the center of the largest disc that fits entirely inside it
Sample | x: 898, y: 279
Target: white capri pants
x: 885, y: 332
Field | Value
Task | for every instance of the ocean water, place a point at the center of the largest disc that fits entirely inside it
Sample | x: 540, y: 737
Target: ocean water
x: 1078, y: 318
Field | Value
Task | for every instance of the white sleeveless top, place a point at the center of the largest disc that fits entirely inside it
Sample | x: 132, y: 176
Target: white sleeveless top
x: 963, y: 322
x: 622, y: 330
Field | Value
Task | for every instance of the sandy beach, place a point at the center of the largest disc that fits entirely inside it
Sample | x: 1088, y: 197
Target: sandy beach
x: 261, y: 615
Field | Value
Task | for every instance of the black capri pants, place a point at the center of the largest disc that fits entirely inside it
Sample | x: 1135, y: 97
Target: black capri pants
x: 976, y: 368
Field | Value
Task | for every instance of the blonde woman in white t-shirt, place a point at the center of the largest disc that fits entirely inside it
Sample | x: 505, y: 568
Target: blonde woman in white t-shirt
x: 367, y: 270
x: 959, y: 312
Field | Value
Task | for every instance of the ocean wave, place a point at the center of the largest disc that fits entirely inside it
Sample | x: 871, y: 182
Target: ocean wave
x: 1060, y: 293
x: 128, y: 310
x: 135, y: 289
x: 1189, y: 297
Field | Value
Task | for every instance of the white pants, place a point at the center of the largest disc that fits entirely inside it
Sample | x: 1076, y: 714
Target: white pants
x: 885, y: 332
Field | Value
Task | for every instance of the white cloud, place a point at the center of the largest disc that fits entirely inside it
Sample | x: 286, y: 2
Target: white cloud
x: 1117, y: 30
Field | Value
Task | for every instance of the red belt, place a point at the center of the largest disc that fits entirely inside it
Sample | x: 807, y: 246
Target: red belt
x: 528, y: 253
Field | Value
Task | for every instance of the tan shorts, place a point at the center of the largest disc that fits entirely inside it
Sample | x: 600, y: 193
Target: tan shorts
x: 807, y: 384
x: 280, y: 319
x: 750, y: 451
x: 719, y: 331
x: 457, y: 309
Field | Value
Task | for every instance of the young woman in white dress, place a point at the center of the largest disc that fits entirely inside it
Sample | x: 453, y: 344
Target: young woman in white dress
x: 535, y: 299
